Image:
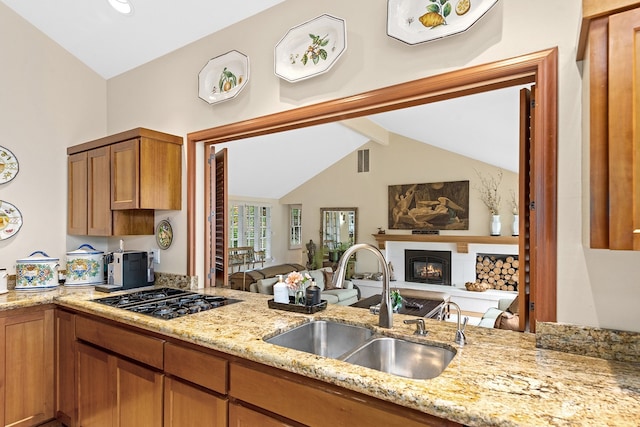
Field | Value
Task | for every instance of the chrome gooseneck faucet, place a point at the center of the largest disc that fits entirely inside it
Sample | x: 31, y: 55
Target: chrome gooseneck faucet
x: 386, y: 311
x: 460, y: 337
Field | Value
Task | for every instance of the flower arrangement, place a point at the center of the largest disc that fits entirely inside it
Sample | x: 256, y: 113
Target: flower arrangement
x: 295, y: 279
x: 488, y: 189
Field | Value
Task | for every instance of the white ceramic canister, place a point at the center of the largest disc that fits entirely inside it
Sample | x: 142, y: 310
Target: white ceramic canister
x: 85, y: 266
x: 3, y: 280
x: 37, y: 271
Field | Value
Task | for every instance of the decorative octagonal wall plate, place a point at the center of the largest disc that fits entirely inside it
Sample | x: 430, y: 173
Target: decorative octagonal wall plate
x: 8, y: 165
x: 419, y: 21
x: 311, y: 48
x: 223, y: 77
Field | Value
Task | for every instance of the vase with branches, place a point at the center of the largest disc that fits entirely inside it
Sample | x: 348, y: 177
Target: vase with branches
x: 488, y: 189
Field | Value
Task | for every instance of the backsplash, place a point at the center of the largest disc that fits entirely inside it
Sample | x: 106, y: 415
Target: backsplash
x: 609, y: 344
x: 180, y: 281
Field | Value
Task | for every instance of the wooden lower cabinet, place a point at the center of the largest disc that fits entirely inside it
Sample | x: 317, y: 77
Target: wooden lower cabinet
x: 26, y: 366
x: 314, y: 403
x: 187, y: 405
x: 116, y: 392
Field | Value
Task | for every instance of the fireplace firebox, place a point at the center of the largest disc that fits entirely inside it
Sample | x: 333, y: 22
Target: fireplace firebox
x: 426, y: 266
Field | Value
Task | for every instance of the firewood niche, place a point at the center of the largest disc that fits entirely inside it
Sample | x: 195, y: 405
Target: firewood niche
x: 462, y: 242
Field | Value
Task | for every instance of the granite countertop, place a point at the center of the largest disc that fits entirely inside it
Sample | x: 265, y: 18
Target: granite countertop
x: 499, y: 378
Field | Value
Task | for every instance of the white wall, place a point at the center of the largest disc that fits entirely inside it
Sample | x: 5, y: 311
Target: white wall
x: 48, y: 101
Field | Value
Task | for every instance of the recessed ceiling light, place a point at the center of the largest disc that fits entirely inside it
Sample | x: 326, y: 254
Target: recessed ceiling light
x: 122, y: 6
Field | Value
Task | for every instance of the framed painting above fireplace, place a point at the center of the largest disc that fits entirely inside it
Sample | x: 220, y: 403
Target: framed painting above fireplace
x: 430, y: 206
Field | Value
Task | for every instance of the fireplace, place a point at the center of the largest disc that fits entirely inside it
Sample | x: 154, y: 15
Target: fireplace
x: 425, y: 266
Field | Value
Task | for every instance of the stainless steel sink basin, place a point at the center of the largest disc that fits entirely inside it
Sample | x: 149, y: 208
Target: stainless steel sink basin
x: 324, y: 338
x: 403, y: 358
x: 359, y: 346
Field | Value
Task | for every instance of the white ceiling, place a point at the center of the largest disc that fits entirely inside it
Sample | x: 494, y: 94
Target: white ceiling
x: 111, y: 43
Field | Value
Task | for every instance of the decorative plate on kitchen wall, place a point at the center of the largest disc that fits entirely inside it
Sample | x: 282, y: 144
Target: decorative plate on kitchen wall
x: 311, y: 48
x: 419, y: 21
x: 8, y: 165
x: 164, y: 234
x: 223, y: 77
x: 10, y: 220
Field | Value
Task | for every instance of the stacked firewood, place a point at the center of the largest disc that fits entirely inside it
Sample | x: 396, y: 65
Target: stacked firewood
x: 497, y: 272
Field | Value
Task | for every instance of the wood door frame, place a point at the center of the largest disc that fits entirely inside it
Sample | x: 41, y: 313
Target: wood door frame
x: 539, y: 68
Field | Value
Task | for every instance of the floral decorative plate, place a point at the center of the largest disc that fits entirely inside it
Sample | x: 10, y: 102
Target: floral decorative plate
x: 8, y: 165
x: 10, y: 220
x: 419, y: 21
x: 311, y: 48
x: 164, y: 234
x: 223, y: 77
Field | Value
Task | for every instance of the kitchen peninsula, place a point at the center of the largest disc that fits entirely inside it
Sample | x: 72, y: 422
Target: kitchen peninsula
x: 499, y: 378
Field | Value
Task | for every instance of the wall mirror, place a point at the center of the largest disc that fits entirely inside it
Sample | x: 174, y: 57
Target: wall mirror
x: 538, y: 68
x: 338, y: 229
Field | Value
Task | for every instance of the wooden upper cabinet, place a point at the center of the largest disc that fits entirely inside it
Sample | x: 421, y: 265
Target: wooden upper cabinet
x: 115, y: 183
x: 146, y: 174
x: 611, y: 39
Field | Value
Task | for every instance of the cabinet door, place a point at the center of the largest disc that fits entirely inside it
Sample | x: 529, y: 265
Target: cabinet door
x: 138, y: 395
x: 115, y: 392
x: 99, y: 202
x: 96, y: 393
x: 125, y: 175
x: 186, y: 405
x: 77, y: 194
x: 26, y: 367
x: 624, y: 137
x: 65, y: 358
x: 239, y: 416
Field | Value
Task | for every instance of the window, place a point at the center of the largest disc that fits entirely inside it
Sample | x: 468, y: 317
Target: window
x: 295, y: 227
x: 250, y: 225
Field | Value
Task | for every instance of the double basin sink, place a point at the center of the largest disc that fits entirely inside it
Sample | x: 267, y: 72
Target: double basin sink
x: 358, y: 345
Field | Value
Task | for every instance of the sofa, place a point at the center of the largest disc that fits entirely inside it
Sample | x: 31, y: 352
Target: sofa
x: 323, y: 278
x: 242, y: 280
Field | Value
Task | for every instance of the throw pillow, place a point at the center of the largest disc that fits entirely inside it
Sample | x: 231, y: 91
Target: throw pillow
x: 328, y: 280
x: 513, y: 308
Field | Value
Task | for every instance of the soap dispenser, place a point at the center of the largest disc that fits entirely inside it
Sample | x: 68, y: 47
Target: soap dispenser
x: 281, y: 292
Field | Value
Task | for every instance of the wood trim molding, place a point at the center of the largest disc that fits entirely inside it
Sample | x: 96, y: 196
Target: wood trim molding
x: 462, y: 242
x: 538, y: 67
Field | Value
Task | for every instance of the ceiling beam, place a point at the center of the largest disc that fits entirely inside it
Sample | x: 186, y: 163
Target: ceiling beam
x: 371, y: 130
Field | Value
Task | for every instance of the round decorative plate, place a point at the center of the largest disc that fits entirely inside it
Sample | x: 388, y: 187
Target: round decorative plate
x: 223, y: 77
x: 164, y: 234
x: 8, y: 165
x: 10, y: 220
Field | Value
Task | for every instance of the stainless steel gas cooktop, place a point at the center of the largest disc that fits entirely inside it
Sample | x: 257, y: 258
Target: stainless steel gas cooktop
x: 165, y: 303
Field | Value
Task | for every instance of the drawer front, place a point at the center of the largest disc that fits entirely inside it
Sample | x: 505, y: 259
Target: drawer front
x: 279, y: 393
x: 196, y: 366
x: 142, y: 348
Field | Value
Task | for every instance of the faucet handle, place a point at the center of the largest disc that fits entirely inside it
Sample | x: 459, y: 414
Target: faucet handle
x: 420, y: 329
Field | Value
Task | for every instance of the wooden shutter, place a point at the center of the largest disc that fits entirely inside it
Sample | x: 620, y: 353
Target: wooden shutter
x: 524, y: 202
x: 217, y: 219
